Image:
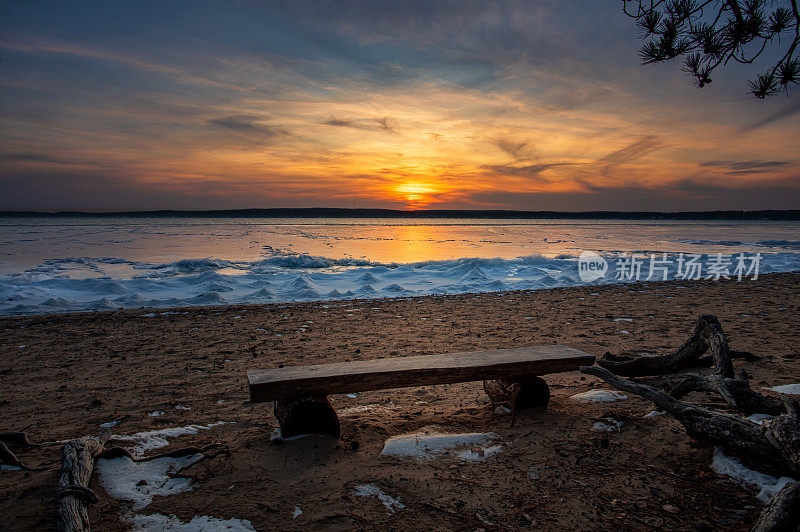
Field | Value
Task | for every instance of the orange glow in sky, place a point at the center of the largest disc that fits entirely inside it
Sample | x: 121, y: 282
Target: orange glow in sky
x: 415, y: 194
x: 500, y: 106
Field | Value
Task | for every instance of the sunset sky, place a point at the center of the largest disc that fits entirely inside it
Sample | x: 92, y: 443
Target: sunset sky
x: 537, y: 105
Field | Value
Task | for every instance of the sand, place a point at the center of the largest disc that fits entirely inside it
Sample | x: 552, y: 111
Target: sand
x: 65, y: 375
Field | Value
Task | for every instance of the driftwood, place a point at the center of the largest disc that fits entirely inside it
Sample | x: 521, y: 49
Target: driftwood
x: 309, y: 414
x: 782, y: 514
x: 518, y: 393
x: 16, y: 439
x: 736, y: 392
x: 73, y: 494
x: 776, y: 442
x: 707, y: 337
x: 9, y: 458
x: 219, y: 449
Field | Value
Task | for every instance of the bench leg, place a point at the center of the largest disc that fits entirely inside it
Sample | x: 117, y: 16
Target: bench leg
x: 308, y: 414
x: 519, y: 392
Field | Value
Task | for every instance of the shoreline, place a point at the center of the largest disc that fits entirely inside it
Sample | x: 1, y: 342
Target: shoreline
x: 66, y: 374
x: 336, y: 302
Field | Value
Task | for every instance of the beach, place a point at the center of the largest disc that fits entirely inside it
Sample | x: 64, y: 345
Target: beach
x: 66, y: 374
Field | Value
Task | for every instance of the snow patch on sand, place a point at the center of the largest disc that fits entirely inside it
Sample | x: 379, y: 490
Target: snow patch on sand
x: 599, y: 396
x: 139, y: 482
x: 429, y: 442
x: 788, y: 389
x: 363, y: 409
x: 371, y: 490
x: 733, y: 468
x: 200, y: 523
x: 760, y: 418
x: 611, y: 425
x: 156, y: 439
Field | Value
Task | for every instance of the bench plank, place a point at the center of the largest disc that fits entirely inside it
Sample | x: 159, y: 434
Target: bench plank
x: 400, y: 372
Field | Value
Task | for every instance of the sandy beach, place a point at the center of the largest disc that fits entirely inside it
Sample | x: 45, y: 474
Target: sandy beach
x: 65, y: 375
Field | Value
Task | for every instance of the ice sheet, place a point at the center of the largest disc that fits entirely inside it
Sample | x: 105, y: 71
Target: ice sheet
x: 54, y: 287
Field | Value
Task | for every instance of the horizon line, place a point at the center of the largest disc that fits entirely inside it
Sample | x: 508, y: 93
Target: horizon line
x: 338, y: 212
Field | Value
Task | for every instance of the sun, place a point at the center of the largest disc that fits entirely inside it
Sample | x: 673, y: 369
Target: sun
x: 415, y: 193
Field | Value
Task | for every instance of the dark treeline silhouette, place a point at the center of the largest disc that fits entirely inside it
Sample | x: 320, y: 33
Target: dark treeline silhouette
x: 323, y: 212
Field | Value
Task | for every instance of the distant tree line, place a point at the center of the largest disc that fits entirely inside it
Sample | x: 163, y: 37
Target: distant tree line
x: 323, y: 212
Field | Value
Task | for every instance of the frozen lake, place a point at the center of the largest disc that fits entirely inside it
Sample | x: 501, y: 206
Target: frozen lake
x: 57, y: 264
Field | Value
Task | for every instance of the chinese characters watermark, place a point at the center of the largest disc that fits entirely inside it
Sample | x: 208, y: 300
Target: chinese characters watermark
x: 669, y: 266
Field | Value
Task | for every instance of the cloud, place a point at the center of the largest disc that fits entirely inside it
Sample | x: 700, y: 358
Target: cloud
x: 790, y: 110
x: 386, y: 124
x: 690, y: 194
x: 46, y: 159
x: 34, y: 157
x: 640, y: 148
x: 247, y: 124
x: 511, y: 147
x: 779, y: 193
x: 341, y: 122
x: 529, y: 171
x: 746, y: 167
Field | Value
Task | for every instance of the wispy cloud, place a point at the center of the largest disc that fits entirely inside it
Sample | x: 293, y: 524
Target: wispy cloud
x: 786, y: 112
x: 746, y: 167
x: 249, y: 124
x: 342, y: 122
x: 527, y: 171
x: 514, y: 148
x: 640, y: 148
x: 386, y: 124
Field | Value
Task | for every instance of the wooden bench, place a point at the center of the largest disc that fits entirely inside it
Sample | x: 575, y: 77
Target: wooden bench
x: 509, y: 375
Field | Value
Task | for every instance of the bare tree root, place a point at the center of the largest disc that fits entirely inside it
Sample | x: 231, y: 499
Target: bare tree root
x: 776, y: 442
x: 707, y: 361
x: 707, y: 337
x: 736, y: 392
x: 782, y: 514
x: 216, y: 449
x: 16, y: 439
x: 116, y: 452
x: 9, y: 458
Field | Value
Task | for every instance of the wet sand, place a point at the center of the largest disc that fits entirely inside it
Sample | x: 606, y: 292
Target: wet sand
x: 64, y: 375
